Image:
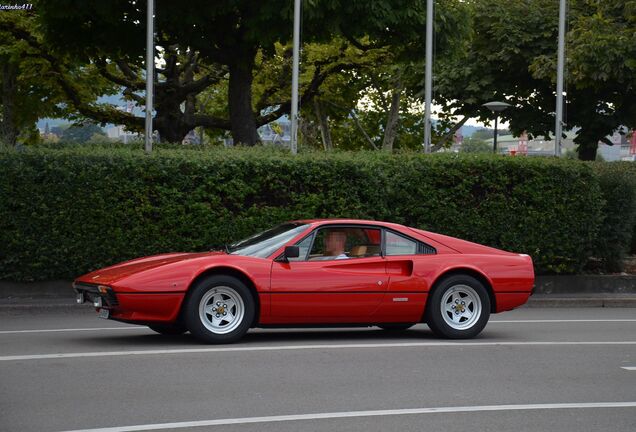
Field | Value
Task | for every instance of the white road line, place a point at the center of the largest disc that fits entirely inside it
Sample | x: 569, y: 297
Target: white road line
x: 563, y: 321
x: 629, y: 368
x: 73, y: 329
x: 490, y: 322
x: 217, y: 350
x: 353, y: 414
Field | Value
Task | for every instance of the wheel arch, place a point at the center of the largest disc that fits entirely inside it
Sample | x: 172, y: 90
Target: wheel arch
x: 227, y: 271
x: 465, y: 271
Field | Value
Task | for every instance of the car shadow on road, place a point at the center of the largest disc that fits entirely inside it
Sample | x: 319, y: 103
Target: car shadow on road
x: 270, y: 336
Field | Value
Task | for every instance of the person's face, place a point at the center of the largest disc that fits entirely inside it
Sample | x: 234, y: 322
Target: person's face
x: 335, y: 242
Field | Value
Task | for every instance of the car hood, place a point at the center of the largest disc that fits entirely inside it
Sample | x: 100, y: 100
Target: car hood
x: 119, y: 271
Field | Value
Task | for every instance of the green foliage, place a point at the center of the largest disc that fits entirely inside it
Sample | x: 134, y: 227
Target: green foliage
x: 511, y: 56
x: 82, y: 133
x: 475, y: 145
x: 67, y: 211
x: 618, y: 224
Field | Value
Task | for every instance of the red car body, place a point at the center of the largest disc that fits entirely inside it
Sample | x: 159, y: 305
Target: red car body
x: 368, y: 290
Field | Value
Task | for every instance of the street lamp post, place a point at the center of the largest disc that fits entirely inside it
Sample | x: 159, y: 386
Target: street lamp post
x: 150, y: 64
x: 496, y: 107
x: 558, y: 127
x: 428, y: 76
x: 295, y: 72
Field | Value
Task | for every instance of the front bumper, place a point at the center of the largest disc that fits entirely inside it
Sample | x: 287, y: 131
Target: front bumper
x: 130, y: 307
x: 100, y: 295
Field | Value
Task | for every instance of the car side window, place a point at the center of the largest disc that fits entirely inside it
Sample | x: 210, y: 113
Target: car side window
x: 303, y: 247
x: 336, y: 243
x: 398, y: 245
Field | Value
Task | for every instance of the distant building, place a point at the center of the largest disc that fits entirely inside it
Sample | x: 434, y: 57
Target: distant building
x: 621, y: 148
x: 119, y: 133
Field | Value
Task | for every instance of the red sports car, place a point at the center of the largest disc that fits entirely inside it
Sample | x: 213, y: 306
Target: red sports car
x: 316, y: 273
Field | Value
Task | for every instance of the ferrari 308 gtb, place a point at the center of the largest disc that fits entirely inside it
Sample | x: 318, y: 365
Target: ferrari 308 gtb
x: 332, y: 272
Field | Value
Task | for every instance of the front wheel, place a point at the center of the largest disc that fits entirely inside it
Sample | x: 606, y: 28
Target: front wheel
x: 219, y: 309
x: 458, y: 308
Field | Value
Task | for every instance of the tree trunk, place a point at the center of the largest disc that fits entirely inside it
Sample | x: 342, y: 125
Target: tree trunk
x: 242, y: 118
x: 171, y: 122
x: 8, y: 129
x: 324, y: 126
x: 587, y: 151
x: 449, y: 135
x: 364, y: 133
x: 390, y: 131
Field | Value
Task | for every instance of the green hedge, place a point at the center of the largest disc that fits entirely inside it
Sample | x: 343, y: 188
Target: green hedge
x: 618, y: 224
x: 65, y: 212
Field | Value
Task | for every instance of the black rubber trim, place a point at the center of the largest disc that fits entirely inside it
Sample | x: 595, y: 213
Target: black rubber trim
x: 150, y: 292
x: 347, y: 292
x: 513, y: 292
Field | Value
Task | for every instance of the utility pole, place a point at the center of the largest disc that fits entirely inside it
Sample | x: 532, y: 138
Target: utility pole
x: 150, y: 66
x: 295, y: 68
x: 558, y: 127
x: 428, y: 80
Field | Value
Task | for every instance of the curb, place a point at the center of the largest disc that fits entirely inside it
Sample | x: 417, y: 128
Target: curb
x: 585, y: 284
x: 577, y: 291
x: 535, y: 301
x: 582, y: 301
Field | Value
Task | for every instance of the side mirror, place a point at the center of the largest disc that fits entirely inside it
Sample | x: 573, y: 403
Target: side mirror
x: 292, y: 252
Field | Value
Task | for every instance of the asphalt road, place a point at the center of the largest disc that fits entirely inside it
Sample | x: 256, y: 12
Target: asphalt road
x: 530, y: 370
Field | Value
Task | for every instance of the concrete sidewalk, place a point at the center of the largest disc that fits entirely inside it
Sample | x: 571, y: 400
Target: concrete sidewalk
x: 579, y: 300
x: 608, y: 300
x: 550, y: 291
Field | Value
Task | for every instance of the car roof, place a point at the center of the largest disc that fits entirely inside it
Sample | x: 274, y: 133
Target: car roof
x: 317, y: 222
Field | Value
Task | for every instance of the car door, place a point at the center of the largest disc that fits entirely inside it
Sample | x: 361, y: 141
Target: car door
x: 406, y: 293
x: 327, y: 285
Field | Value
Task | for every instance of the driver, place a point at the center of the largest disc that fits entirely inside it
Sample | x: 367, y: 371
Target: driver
x: 335, y: 244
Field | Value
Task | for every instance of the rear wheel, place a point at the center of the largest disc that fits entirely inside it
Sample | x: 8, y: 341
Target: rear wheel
x: 219, y: 309
x: 395, y: 327
x: 168, y: 329
x: 458, y: 308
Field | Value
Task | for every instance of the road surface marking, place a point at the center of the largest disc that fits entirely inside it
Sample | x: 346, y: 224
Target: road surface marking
x: 629, y: 368
x: 73, y: 329
x: 564, y: 321
x: 140, y: 327
x: 354, y: 414
x: 220, y: 349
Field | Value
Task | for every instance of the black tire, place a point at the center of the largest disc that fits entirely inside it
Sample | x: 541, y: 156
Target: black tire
x: 395, y: 327
x: 445, y: 305
x: 168, y: 329
x: 236, y: 300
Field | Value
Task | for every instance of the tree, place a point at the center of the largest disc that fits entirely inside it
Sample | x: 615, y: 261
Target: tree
x: 511, y: 56
x: 28, y: 90
x: 200, y: 46
x: 82, y: 133
x: 32, y: 81
x: 475, y: 145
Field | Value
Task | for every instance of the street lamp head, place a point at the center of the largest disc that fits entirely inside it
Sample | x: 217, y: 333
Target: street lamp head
x: 496, y: 106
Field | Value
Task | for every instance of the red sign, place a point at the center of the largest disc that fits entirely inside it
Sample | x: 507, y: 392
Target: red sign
x: 632, y: 148
x: 523, y: 144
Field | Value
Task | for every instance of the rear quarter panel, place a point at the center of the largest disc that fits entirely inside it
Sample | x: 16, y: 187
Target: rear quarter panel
x: 511, y: 276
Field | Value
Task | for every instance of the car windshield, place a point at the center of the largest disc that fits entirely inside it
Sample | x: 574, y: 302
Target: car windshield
x: 264, y: 244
